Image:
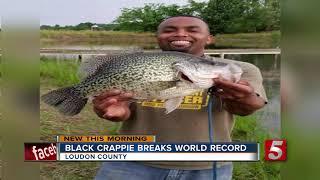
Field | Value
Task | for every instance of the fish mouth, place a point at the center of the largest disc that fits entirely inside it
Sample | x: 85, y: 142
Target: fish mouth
x: 184, y: 77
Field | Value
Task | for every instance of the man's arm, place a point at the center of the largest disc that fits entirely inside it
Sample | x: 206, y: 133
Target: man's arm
x: 240, y: 98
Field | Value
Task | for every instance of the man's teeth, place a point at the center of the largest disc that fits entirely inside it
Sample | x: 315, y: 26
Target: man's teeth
x: 180, y: 43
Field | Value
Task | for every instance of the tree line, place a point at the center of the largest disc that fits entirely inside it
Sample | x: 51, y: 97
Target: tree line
x: 222, y: 16
x: 79, y: 27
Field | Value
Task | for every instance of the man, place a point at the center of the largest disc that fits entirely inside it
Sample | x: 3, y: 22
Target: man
x: 190, y: 35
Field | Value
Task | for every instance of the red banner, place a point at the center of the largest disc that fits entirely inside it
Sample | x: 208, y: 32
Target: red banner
x: 40, y: 151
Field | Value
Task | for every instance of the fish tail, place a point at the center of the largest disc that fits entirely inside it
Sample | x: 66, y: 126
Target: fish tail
x: 67, y: 100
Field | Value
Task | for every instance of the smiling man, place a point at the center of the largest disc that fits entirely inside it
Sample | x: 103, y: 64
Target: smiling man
x: 191, y: 34
x: 184, y: 34
x: 189, y: 123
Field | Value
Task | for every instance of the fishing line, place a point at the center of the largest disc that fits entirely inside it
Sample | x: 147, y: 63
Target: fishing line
x: 210, y: 125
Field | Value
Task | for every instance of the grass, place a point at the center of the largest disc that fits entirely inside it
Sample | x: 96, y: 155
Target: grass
x: 59, y: 73
x: 50, y: 37
x: 55, y: 74
x: 64, y: 34
x: 247, y: 129
x: 148, y: 40
x: 248, y: 40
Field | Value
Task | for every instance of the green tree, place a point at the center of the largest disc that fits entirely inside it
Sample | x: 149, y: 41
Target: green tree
x: 83, y: 26
x: 108, y: 27
x: 194, y: 8
x: 231, y: 16
x: 253, y: 18
x: 56, y: 27
x: 223, y: 16
x: 45, y: 27
x: 273, y: 14
x: 220, y: 13
x: 146, y: 18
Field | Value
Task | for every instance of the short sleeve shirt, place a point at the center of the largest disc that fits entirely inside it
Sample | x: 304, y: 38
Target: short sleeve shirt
x: 189, y: 123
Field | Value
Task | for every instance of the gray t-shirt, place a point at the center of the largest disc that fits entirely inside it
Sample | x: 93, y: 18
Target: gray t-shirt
x: 188, y: 123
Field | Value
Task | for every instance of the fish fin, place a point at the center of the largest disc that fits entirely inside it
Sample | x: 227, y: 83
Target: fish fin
x: 67, y: 100
x: 236, y: 71
x: 172, y: 104
x: 177, y: 91
x: 91, y: 65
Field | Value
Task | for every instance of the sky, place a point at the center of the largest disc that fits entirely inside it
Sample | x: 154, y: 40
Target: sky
x: 73, y: 12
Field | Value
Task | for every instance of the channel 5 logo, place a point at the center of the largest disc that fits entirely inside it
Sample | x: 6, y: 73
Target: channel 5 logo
x: 275, y: 150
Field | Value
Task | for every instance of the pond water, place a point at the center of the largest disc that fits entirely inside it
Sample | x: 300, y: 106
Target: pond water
x: 269, y: 65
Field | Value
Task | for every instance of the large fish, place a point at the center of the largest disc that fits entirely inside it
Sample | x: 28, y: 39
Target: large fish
x: 158, y: 75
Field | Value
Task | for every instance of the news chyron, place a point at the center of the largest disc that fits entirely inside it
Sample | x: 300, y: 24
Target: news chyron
x: 49, y: 151
x: 145, y: 148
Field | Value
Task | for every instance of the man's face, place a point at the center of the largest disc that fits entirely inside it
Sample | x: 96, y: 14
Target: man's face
x: 184, y: 34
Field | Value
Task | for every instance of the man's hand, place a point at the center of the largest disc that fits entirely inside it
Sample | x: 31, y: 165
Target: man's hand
x: 113, y: 105
x: 239, y: 97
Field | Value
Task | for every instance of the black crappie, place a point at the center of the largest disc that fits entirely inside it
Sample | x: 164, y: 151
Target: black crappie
x: 158, y: 75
